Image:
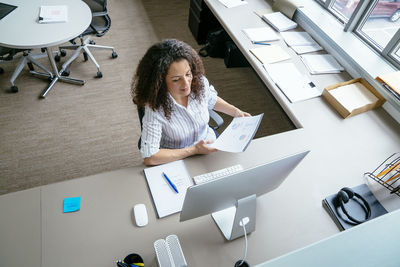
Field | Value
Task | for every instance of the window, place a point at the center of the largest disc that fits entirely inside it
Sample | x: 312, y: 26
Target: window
x: 376, y: 22
x: 344, y: 8
x: 381, y: 23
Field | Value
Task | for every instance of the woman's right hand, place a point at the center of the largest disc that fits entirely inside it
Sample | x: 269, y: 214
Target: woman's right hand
x: 202, y: 147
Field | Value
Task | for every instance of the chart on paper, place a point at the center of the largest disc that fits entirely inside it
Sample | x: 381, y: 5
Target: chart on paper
x: 238, y: 134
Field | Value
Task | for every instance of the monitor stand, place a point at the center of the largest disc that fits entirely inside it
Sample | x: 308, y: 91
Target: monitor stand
x: 228, y: 220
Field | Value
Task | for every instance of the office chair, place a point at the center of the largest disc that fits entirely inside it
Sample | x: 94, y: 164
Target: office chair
x: 100, y: 24
x: 8, y: 54
x: 218, y: 121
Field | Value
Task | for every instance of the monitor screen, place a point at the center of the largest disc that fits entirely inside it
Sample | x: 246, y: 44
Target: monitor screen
x: 224, y: 194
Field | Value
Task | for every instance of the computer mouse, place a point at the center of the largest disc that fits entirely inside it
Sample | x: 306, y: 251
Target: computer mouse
x: 140, y: 214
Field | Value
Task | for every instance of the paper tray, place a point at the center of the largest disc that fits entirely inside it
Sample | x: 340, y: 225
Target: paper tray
x: 348, y: 113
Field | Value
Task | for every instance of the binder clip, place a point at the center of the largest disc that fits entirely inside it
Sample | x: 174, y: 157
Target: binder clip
x: 169, y: 252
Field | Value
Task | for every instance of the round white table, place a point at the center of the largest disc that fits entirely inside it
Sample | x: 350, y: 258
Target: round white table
x: 21, y: 29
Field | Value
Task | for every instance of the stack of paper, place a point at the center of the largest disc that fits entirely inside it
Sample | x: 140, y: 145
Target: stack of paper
x: 303, y: 49
x: 301, y: 42
x: 299, y: 87
x: 270, y: 54
x: 319, y: 64
x: 353, y: 96
x: 264, y: 34
x: 166, y: 200
x: 53, y: 14
x: 232, y: 3
x: 391, y: 80
x: 279, y: 21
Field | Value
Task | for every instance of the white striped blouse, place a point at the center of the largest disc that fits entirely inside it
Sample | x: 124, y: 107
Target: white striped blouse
x: 186, y: 126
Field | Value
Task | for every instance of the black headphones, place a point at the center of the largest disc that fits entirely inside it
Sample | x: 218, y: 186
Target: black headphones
x: 345, y: 195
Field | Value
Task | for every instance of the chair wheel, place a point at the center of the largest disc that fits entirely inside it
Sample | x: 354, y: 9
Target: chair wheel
x: 63, y: 53
x: 65, y: 72
x: 30, y: 66
x: 57, y: 58
x: 14, y: 89
x: 92, y: 42
x: 99, y: 74
x: 85, y: 56
x: 114, y: 54
x: 1, y: 70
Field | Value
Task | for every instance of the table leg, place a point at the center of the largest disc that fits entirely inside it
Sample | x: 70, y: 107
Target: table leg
x: 57, y: 74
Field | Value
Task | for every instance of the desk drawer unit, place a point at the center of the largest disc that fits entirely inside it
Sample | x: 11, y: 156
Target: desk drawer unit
x: 201, y: 20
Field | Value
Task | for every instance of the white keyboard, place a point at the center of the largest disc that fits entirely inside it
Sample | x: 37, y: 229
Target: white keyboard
x: 206, y: 177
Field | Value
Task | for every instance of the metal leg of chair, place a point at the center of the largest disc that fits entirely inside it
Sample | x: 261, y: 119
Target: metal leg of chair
x: 41, y: 74
x: 71, y: 58
x: 91, y: 57
x: 34, y: 61
x: 44, y: 93
x: 70, y: 47
x: 101, y: 47
x: 57, y: 74
x: 71, y: 80
x: 18, y: 70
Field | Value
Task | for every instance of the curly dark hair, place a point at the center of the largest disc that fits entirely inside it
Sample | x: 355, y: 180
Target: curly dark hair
x: 149, y: 86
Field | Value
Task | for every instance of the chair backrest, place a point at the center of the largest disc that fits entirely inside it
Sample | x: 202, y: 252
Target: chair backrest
x: 140, y: 115
x: 7, y: 54
x: 101, y: 21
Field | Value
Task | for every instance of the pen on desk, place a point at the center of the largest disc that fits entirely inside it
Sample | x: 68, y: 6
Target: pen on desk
x: 170, y: 182
x: 261, y: 43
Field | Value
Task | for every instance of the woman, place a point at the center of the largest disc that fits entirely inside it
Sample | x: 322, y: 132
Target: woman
x: 170, y: 86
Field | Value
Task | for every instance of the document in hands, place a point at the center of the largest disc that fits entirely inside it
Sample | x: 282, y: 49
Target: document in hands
x: 166, y: 200
x: 299, y: 87
x: 238, y: 135
x: 53, y: 14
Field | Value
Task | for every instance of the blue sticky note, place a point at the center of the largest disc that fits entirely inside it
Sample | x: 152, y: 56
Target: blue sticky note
x: 72, y: 204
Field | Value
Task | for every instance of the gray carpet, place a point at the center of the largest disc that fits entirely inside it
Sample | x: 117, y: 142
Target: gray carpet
x: 82, y: 130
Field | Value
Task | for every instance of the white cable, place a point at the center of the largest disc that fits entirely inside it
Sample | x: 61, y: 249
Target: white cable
x: 245, y: 238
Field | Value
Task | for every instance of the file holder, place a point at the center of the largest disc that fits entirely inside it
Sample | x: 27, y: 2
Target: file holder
x: 387, y: 174
x: 169, y: 252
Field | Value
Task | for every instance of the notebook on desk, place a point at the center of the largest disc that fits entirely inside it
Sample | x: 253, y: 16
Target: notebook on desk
x: 262, y: 34
x: 166, y: 200
x: 279, y: 21
x: 320, y: 64
x: 298, y: 88
x: 270, y: 54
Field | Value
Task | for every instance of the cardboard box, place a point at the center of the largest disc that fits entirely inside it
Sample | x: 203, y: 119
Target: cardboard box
x: 341, y: 109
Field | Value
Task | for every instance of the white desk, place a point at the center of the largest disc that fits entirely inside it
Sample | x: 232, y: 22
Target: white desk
x: 20, y: 29
x: 289, y: 218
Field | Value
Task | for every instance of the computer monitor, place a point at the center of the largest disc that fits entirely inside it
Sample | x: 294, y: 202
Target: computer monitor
x: 232, y: 198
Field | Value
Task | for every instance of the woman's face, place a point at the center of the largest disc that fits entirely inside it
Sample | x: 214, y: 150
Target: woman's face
x: 179, y: 80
